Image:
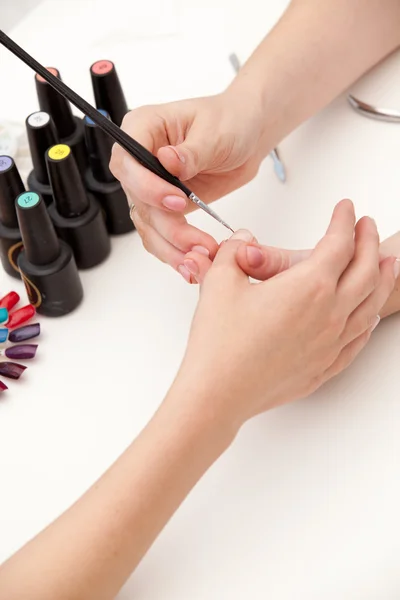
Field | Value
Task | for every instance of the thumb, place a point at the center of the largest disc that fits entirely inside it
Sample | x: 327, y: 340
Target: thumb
x: 189, y: 158
x: 263, y: 262
x: 225, y: 266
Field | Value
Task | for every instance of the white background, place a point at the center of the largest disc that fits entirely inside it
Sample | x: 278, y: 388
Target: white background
x: 305, y: 505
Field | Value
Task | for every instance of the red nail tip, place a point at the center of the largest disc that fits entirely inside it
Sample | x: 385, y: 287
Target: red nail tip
x: 9, y: 301
x: 21, y: 316
x: 3, y: 387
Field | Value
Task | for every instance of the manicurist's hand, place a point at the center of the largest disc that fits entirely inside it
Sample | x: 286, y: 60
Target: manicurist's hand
x: 212, y: 144
x: 254, y: 346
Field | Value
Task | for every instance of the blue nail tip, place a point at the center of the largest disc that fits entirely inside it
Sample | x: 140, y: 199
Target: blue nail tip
x: 3, y: 315
x: 3, y: 334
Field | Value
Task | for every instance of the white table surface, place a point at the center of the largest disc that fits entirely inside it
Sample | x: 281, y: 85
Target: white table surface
x: 305, y: 505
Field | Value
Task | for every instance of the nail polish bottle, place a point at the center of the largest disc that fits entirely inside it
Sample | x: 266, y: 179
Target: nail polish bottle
x: 10, y: 238
x: 69, y: 128
x: 101, y: 182
x: 76, y: 214
x: 42, y: 135
x: 107, y: 90
x: 47, y: 264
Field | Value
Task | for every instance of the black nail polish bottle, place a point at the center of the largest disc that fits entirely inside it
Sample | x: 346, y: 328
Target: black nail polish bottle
x: 10, y: 237
x: 107, y: 90
x: 42, y: 135
x: 100, y: 181
x: 76, y: 214
x: 69, y: 128
x: 47, y: 264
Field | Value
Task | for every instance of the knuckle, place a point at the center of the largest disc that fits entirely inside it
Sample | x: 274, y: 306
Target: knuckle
x: 175, y: 238
x: 363, y: 323
x: 341, y: 248
x: 140, y: 224
x: 347, y: 250
x: 146, y: 239
x: 321, y: 286
x: 371, y: 278
x: 336, y: 324
x: 134, y: 116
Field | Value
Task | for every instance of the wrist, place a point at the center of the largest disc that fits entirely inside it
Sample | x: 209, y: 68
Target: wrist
x: 198, y: 412
x: 245, y: 101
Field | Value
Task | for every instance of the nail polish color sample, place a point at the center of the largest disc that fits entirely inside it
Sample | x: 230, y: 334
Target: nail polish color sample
x: 100, y: 181
x: 10, y: 300
x: 27, y: 332
x: 76, y: 215
x: 107, y: 90
x: 3, y: 334
x: 11, y: 370
x: 10, y: 238
x: 42, y: 134
x: 21, y: 316
x: 3, y: 315
x: 47, y: 264
x: 69, y: 128
x: 3, y: 387
x: 21, y: 352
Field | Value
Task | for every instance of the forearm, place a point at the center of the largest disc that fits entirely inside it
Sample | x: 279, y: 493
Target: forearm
x: 91, y: 549
x: 314, y: 53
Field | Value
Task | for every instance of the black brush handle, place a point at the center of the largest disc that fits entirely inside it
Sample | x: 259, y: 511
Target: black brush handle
x: 139, y: 152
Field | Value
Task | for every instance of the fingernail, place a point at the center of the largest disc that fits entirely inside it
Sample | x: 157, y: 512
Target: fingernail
x: 3, y: 334
x: 3, y: 315
x: 254, y: 256
x: 21, y: 315
x: 24, y: 333
x: 3, y: 387
x: 242, y: 234
x: 201, y: 250
x: 191, y: 266
x: 396, y: 268
x: 179, y: 155
x: 10, y: 300
x: 184, y: 272
x: 174, y: 202
x: 375, y: 325
x: 20, y: 351
x: 11, y: 370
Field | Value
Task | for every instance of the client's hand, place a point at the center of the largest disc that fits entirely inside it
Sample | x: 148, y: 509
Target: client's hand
x: 254, y: 346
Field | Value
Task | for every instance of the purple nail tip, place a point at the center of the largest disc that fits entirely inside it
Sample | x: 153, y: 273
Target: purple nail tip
x: 3, y: 387
x: 22, y: 351
x: 27, y: 332
x: 11, y: 370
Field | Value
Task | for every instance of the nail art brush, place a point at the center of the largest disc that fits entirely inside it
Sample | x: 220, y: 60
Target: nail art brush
x: 279, y: 167
x: 139, y: 152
